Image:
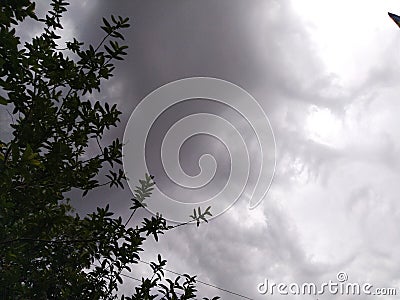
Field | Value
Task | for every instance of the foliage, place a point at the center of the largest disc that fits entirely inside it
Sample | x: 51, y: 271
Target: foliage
x: 47, y: 252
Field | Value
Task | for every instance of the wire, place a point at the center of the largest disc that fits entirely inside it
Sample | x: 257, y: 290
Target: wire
x: 128, y: 276
x: 131, y: 277
x: 199, y: 281
x: 205, y: 283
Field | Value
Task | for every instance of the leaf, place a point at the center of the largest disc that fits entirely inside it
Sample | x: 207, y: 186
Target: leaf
x: 118, y: 35
x: 15, y: 152
x: 3, y: 101
x: 36, y: 163
x: 28, y: 153
x: 106, y: 29
x: 106, y: 23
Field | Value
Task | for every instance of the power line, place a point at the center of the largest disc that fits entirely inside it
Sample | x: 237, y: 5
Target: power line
x: 205, y: 283
x: 131, y: 277
x: 199, y: 281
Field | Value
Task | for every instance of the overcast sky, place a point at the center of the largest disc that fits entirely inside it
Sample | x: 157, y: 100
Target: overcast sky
x: 326, y: 74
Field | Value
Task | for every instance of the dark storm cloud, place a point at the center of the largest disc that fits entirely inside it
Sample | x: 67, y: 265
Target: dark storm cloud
x: 255, y: 44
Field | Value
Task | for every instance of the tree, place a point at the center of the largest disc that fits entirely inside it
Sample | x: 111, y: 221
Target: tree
x: 47, y: 252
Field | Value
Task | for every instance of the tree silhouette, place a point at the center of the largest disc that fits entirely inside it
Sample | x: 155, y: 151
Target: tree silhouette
x: 47, y: 252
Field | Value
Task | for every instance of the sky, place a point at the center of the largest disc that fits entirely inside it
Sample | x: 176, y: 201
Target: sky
x: 325, y: 74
